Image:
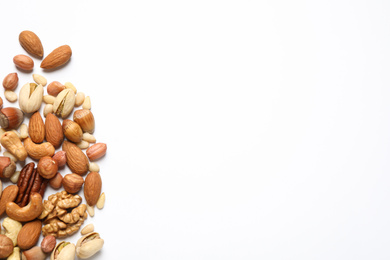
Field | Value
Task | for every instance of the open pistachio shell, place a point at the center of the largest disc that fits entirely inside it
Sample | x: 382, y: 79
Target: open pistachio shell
x: 63, y: 251
x: 89, y: 245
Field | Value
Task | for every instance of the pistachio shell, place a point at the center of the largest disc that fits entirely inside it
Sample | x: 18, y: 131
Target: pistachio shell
x: 86, y: 249
x: 64, y: 103
x: 30, y: 97
x: 67, y: 253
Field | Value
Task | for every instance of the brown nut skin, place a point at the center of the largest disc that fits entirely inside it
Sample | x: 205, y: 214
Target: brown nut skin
x: 7, y: 167
x: 85, y: 119
x: 36, y: 128
x: 31, y: 43
x: 54, y: 88
x: 72, y: 131
x: 11, y: 118
x: 56, y: 181
x: 92, y: 188
x: 72, y: 182
x: 53, y: 128
x: 60, y: 157
x: 28, y: 236
x: 23, y: 62
x: 33, y: 209
x: 96, y: 151
x: 6, y: 246
x: 48, y: 243
x: 47, y: 167
x: 10, y: 82
x: 34, y: 253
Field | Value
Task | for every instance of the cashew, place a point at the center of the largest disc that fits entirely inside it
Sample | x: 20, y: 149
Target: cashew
x: 32, y: 210
x: 12, y: 143
x: 37, y: 151
x: 12, y: 228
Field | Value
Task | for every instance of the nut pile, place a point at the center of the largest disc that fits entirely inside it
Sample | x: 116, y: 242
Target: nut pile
x: 58, y: 139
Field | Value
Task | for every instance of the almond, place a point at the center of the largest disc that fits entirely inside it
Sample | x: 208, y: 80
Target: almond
x: 54, y: 134
x: 72, y: 182
x: 23, y: 62
x: 36, y: 128
x: 57, y: 57
x: 96, y: 151
x: 76, y: 160
x: 10, y: 82
x: 92, y: 188
x: 31, y: 43
x: 29, y: 234
x: 9, y: 194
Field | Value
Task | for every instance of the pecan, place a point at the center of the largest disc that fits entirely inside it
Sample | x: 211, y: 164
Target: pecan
x: 29, y: 181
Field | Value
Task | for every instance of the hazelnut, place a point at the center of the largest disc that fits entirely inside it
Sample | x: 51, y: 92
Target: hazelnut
x: 72, y: 182
x: 60, y: 157
x: 6, y: 246
x: 47, y: 167
x: 56, y: 181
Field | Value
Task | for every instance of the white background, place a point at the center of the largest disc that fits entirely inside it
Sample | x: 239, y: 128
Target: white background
x: 235, y: 129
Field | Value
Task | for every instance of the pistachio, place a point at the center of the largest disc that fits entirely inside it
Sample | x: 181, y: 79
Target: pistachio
x: 63, y: 251
x: 64, y: 103
x: 89, y: 245
x: 30, y: 97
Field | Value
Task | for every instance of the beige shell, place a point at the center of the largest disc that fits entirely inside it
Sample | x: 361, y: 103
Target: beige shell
x: 68, y: 252
x: 87, y: 246
x: 64, y: 103
x: 30, y: 97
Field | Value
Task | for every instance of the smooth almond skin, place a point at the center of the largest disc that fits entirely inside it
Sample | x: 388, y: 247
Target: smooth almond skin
x: 54, y: 134
x: 31, y: 43
x: 57, y: 57
x: 10, y: 82
x: 23, y: 62
x: 92, y: 188
x: 36, y: 128
x: 96, y: 151
x: 76, y: 160
x: 29, y: 234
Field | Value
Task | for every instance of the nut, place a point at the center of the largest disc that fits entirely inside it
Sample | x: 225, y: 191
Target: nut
x: 85, y: 119
x: 76, y: 160
x: 12, y: 143
x: 89, y: 138
x: 29, y: 234
x: 15, y: 177
x: 49, y: 99
x: 37, y: 151
x: 36, y: 128
x: 34, y: 253
x: 87, y: 229
x: 70, y: 86
x: 82, y: 144
x: 92, y: 188
x: 23, y: 131
x: 30, y: 97
x: 96, y: 151
x: 91, y: 210
x: 64, y: 103
x: 87, y: 103
x: 6, y: 246
x: 39, y: 79
x: 80, y: 96
x: 60, y: 157
x: 23, y: 62
x: 56, y: 181
x: 12, y: 228
x: 7, y: 167
x: 54, y: 88
x: 72, y: 131
x: 88, y: 245
x: 9, y: 194
x: 31, y: 211
x: 57, y: 57
x: 47, y: 167
x: 31, y: 43
x: 10, y: 96
x: 94, y: 167
x: 48, y: 243
x: 47, y: 109
x: 10, y: 82
x: 64, y: 251
x: 54, y: 134
x: 72, y: 182
x: 11, y: 118
x: 11, y: 156
x: 101, y: 201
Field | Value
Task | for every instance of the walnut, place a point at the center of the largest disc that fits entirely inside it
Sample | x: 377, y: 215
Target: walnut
x: 62, y: 214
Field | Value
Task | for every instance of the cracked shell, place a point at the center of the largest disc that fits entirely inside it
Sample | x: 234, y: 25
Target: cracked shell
x: 64, y: 103
x: 89, y: 245
x: 63, y: 251
x: 30, y: 97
